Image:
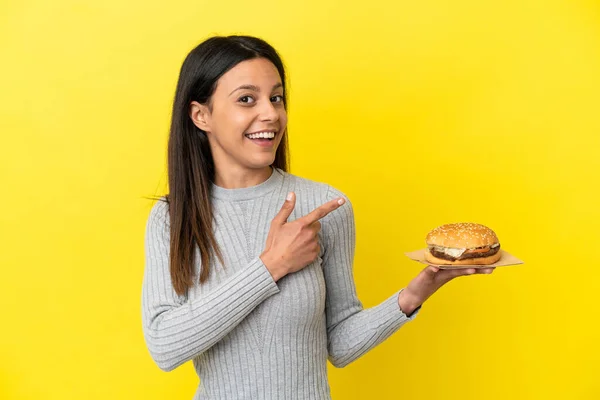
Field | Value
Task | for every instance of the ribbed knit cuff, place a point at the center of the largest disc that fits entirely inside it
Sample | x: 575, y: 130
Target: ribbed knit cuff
x: 258, y: 273
x: 391, y: 305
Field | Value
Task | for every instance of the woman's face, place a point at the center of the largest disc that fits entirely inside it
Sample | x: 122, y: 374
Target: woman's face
x: 245, y: 118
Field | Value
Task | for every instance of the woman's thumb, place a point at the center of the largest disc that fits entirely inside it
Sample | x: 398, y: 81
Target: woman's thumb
x: 286, y: 209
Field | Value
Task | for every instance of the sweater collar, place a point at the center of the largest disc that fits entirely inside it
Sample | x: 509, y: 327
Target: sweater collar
x: 250, y: 192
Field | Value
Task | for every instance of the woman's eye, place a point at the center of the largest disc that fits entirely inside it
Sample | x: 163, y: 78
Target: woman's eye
x: 277, y: 99
x: 246, y: 99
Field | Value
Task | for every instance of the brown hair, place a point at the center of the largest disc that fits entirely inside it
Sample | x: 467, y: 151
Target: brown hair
x: 190, y: 162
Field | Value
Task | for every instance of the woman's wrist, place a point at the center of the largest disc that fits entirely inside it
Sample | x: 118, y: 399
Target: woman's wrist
x: 276, y: 269
x: 408, y: 302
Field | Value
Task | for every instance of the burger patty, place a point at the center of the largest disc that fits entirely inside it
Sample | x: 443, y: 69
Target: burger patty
x: 465, y: 256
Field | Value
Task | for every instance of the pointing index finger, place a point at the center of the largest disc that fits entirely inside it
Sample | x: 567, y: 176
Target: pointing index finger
x: 322, y: 211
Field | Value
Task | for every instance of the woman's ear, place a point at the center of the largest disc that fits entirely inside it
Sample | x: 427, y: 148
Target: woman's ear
x: 200, y: 115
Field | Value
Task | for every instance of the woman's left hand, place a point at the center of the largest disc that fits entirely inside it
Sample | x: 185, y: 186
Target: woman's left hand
x: 428, y: 282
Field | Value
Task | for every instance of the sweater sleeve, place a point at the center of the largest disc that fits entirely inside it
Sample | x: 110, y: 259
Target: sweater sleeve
x: 352, y: 331
x: 176, y: 329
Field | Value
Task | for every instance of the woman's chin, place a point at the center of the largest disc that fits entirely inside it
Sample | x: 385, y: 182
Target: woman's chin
x: 262, y: 160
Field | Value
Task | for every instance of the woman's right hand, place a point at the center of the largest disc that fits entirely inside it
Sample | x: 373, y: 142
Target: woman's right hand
x: 292, y: 246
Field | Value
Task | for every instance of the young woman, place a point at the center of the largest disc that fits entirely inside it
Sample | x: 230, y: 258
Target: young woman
x: 248, y: 267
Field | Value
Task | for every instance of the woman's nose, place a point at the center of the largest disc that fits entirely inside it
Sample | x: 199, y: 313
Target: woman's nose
x: 268, y: 112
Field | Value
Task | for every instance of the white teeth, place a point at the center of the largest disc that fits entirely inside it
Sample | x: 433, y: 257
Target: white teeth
x: 262, y: 135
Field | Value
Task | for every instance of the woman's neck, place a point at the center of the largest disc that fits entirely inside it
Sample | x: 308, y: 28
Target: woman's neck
x: 237, y: 178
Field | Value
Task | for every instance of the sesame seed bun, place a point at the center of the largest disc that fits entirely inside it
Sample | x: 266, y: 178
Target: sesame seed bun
x: 462, y: 236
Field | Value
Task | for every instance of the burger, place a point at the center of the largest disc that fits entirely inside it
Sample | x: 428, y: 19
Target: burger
x: 462, y: 244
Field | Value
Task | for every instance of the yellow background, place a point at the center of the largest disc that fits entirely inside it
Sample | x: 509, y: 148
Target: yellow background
x: 422, y: 112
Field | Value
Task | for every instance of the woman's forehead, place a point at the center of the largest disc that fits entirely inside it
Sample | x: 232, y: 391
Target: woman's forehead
x: 258, y: 72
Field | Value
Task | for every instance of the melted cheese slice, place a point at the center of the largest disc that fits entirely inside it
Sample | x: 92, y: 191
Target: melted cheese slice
x: 451, y: 252
x: 457, y: 252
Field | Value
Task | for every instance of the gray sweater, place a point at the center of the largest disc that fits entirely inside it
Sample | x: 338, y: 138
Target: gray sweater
x: 248, y: 336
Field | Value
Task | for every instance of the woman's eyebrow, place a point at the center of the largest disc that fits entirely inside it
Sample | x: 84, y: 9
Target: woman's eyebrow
x: 254, y: 88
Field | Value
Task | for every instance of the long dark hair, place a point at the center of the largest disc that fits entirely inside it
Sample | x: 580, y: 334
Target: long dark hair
x: 190, y: 163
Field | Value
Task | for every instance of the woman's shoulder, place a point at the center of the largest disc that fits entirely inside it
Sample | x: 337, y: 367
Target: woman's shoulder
x: 159, y: 212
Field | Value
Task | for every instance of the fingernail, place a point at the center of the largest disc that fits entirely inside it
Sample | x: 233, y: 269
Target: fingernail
x: 289, y: 196
x: 341, y: 201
